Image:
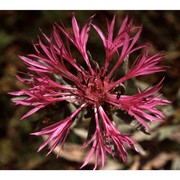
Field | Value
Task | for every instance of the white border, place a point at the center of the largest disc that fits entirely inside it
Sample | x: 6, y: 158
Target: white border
x: 88, y: 5
x: 90, y: 175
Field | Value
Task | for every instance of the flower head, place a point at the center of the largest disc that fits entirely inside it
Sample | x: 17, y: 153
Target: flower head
x: 55, y: 75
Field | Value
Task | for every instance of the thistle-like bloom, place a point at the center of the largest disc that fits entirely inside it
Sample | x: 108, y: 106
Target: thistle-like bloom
x: 55, y: 75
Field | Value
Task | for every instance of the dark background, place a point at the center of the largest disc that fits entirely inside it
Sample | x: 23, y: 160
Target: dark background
x: 18, y: 148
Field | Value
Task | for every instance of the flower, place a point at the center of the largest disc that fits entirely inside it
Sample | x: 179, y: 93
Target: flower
x: 56, y: 76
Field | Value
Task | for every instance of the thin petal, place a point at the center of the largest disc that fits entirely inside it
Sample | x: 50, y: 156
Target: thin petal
x: 32, y: 111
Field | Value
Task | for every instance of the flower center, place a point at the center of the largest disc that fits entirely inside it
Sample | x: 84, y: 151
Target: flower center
x: 95, y: 89
x: 92, y: 89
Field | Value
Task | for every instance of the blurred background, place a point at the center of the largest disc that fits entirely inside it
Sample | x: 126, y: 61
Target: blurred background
x: 18, y: 149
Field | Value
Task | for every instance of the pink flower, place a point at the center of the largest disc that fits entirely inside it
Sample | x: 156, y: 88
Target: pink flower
x: 59, y: 76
